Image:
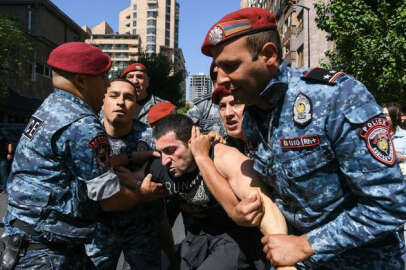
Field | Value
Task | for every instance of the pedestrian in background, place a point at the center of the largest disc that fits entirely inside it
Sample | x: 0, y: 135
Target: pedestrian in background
x: 323, y: 146
x: 393, y: 113
x: 137, y: 74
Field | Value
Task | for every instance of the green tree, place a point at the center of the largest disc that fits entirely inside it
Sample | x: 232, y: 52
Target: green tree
x: 15, y: 53
x: 370, y: 38
x: 163, y: 83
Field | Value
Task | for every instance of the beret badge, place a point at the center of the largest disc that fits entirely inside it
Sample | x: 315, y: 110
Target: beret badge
x: 216, y: 35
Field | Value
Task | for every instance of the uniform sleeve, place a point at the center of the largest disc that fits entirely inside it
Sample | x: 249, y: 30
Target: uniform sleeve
x: 86, y: 149
x: 363, y: 151
x: 195, y: 113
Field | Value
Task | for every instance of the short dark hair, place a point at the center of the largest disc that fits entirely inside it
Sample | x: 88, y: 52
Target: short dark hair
x: 256, y: 41
x: 66, y: 74
x: 123, y: 80
x: 180, y: 124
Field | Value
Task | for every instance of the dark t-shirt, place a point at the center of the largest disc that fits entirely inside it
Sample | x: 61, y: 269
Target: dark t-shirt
x: 190, y: 188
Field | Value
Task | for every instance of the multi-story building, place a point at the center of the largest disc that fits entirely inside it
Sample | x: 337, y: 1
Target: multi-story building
x: 200, y: 85
x: 122, y: 48
x: 155, y: 21
x: 303, y: 44
x: 48, y: 27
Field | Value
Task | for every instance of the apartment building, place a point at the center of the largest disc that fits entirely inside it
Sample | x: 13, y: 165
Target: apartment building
x: 155, y: 21
x: 48, y: 27
x: 122, y: 48
x: 200, y: 85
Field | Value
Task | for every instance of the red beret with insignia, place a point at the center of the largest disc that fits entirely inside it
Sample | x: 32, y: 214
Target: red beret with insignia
x: 219, y: 93
x: 159, y: 111
x: 237, y: 24
x: 80, y: 58
x: 133, y: 67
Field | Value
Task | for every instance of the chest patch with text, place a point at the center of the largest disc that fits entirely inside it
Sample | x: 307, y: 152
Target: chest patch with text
x: 300, y: 142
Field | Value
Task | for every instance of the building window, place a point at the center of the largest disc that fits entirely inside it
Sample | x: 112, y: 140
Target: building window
x: 167, y: 33
x: 151, y: 39
x: 167, y: 42
x: 151, y: 30
x: 150, y: 48
x: 134, y: 31
x: 167, y: 25
x: 39, y: 68
x: 168, y: 9
x: 299, y: 58
x: 134, y: 23
x: 152, y: 14
x: 152, y: 6
x: 134, y: 7
x: 300, y: 22
x: 134, y: 15
x: 151, y: 22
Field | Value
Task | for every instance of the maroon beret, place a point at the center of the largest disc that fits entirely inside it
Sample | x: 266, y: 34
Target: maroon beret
x: 133, y: 67
x: 79, y: 57
x: 237, y: 24
x: 219, y: 93
x: 159, y: 111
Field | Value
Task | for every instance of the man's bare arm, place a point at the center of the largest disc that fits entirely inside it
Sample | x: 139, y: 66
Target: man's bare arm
x: 244, y: 181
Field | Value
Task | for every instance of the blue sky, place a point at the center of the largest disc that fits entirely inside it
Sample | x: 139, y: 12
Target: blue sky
x: 196, y: 17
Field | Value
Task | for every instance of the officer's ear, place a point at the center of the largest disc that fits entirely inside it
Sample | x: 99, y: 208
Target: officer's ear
x: 79, y: 80
x: 270, y: 54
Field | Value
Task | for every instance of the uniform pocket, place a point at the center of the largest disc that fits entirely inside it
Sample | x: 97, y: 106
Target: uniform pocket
x: 308, y: 161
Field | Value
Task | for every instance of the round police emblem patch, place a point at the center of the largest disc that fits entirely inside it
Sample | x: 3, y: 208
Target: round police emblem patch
x: 378, y: 141
x: 302, y: 110
x: 216, y: 35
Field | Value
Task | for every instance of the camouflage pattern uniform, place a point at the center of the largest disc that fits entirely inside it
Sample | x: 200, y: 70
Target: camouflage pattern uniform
x: 206, y: 115
x: 59, y: 173
x: 144, y: 107
x: 332, y: 168
x: 136, y: 231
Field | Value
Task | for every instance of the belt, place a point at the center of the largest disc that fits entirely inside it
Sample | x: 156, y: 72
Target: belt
x: 27, y: 228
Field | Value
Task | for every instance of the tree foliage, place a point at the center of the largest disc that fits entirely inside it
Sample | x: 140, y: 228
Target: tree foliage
x: 164, y: 83
x: 15, y: 53
x: 370, y: 38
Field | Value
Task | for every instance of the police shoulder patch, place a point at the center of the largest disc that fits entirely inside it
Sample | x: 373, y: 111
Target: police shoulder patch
x: 101, y: 149
x: 321, y: 75
x: 376, y: 133
x: 33, y: 126
x: 302, y: 110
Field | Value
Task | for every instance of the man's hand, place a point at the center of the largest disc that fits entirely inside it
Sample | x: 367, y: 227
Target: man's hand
x: 151, y: 190
x: 215, y: 137
x: 284, y: 250
x: 249, y: 211
x: 199, y: 143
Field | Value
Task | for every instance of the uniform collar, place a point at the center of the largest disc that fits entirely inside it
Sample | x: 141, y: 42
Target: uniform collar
x: 73, y: 98
x: 277, y: 86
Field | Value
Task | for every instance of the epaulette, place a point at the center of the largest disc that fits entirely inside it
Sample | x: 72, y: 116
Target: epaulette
x: 321, y: 75
x: 202, y: 98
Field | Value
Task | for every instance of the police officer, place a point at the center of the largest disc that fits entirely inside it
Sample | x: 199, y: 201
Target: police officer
x: 136, y: 232
x: 61, y: 177
x: 205, y: 114
x: 137, y: 74
x: 323, y: 146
